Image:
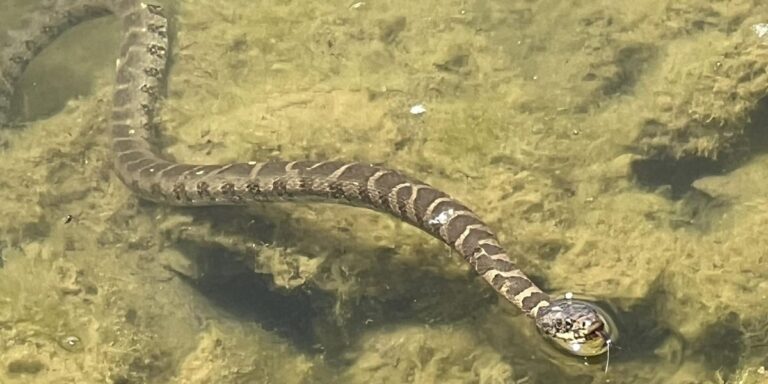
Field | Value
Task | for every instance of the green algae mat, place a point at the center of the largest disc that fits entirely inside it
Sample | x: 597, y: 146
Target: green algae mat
x: 618, y: 149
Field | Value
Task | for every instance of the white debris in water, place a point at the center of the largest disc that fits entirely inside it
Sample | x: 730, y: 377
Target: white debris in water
x: 357, y: 5
x: 418, y: 109
x: 442, y: 217
x: 761, y: 30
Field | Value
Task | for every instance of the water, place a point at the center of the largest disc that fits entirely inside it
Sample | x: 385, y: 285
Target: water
x: 537, y: 113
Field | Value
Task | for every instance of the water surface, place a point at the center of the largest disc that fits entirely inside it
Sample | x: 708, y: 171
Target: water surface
x: 617, y: 147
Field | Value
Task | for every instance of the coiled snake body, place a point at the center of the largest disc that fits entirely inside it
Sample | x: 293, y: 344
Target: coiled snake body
x: 141, y: 68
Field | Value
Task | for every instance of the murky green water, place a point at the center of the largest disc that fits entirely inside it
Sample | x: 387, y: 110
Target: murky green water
x: 575, y: 128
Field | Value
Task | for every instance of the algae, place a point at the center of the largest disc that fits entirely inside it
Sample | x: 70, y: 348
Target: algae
x: 537, y: 114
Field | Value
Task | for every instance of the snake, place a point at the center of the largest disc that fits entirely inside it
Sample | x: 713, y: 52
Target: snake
x: 576, y: 326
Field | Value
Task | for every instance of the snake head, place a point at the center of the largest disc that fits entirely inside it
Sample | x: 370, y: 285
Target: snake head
x: 576, y: 326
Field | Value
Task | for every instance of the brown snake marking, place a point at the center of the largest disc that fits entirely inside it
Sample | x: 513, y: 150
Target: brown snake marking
x: 139, y: 81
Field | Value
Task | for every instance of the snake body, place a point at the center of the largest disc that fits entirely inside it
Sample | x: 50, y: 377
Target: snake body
x: 141, y: 69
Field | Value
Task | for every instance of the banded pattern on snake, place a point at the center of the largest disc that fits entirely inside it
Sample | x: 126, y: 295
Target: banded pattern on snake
x: 141, y: 69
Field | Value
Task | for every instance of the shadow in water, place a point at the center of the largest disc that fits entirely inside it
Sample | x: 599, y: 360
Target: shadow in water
x: 237, y: 290
x: 679, y: 173
x: 645, y: 337
x: 675, y: 173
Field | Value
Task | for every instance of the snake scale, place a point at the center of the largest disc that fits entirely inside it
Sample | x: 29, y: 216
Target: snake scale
x: 574, y: 325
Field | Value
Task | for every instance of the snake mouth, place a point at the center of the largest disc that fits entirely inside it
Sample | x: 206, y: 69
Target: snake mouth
x: 594, y: 344
x: 597, y: 339
x: 603, y: 336
x: 597, y: 331
x: 592, y: 341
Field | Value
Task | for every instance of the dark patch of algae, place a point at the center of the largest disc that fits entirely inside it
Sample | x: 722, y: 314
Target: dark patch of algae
x: 540, y: 114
